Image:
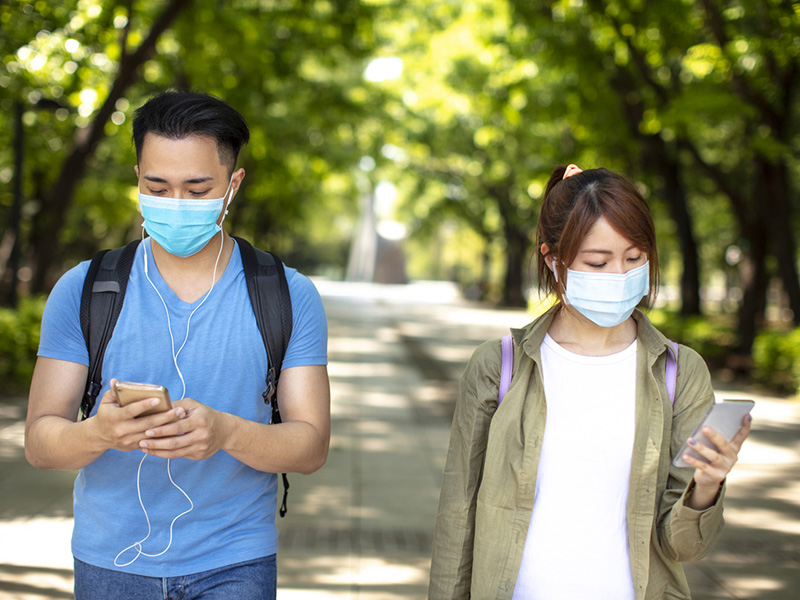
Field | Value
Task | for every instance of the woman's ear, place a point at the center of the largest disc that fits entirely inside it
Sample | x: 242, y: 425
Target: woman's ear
x: 545, y: 250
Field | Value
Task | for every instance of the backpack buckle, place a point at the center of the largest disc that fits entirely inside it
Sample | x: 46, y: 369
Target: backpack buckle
x: 269, y: 393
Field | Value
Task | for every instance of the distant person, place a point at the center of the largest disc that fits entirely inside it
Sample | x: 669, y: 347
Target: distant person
x: 568, y: 490
x: 202, y: 524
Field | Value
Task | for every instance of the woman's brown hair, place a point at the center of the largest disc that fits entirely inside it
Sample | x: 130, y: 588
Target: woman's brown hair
x: 569, y: 209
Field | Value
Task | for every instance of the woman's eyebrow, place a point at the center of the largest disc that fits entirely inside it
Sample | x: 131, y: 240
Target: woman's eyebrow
x: 603, y: 251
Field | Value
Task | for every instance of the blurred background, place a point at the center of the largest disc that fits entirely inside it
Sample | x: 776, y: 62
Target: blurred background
x: 399, y: 153
x: 396, y: 141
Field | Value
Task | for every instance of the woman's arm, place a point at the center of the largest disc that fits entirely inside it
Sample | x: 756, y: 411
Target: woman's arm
x: 690, y: 512
x: 453, y: 537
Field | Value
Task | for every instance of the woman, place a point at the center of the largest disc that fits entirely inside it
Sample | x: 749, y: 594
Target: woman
x: 568, y: 491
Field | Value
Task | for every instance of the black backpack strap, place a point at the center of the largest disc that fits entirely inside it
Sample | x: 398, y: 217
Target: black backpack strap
x: 272, y: 306
x: 101, y: 302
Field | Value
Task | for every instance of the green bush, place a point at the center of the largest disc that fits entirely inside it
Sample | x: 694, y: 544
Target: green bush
x: 776, y: 360
x: 19, y: 341
x: 711, y: 337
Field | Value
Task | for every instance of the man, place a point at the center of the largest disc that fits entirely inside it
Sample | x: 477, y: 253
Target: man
x: 202, y: 522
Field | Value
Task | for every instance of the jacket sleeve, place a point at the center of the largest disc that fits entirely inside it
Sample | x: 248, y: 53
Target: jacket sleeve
x: 451, y: 564
x: 686, y: 534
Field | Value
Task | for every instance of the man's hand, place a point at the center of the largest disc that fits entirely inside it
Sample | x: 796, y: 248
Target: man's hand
x: 198, y: 435
x: 123, y: 427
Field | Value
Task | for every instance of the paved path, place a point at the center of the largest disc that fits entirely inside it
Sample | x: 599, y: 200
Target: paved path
x: 360, y: 529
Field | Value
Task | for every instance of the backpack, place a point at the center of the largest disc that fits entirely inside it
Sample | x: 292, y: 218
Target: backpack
x: 104, y: 292
x: 507, y: 365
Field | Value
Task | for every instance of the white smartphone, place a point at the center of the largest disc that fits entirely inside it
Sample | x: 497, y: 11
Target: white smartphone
x: 724, y: 417
x: 128, y: 392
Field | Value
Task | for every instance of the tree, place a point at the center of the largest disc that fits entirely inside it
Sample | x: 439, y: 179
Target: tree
x: 57, y: 200
x: 278, y: 65
x: 710, y: 95
x: 477, y: 123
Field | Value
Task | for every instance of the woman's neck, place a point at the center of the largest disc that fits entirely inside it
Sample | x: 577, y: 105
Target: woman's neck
x: 576, y: 333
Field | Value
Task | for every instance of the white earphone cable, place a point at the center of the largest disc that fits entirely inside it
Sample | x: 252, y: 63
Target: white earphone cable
x: 138, y: 545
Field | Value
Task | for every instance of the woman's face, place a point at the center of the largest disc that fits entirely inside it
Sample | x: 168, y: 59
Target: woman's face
x: 605, y: 251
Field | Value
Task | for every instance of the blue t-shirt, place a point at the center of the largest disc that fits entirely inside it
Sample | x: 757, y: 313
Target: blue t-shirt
x: 224, y: 364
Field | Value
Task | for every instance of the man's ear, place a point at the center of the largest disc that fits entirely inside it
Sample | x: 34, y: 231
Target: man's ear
x: 136, y: 170
x: 236, y: 179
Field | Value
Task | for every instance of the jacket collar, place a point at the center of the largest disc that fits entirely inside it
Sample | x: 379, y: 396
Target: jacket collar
x: 530, y: 337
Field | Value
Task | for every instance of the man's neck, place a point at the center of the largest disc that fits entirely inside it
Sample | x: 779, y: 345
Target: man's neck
x: 191, y: 277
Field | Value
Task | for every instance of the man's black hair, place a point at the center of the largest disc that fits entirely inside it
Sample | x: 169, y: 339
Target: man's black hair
x: 178, y: 115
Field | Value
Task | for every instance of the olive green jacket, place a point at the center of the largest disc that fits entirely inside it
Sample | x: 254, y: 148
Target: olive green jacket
x: 490, y: 475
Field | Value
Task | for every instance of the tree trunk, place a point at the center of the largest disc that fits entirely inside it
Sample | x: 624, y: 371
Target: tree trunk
x: 777, y: 198
x: 754, y: 284
x: 57, y: 201
x: 659, y: 159
x: 517, y: 245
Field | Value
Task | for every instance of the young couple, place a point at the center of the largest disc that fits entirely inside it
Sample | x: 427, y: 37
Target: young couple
x: 568, y: 491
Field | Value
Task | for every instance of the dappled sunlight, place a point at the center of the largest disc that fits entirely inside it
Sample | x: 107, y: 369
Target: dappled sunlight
x: 756, y: 452
x: 751, y: 517
x: 362, y: 369
x: 376, y: 571
x: 386, y: 437
x: 36, y: 542
x: 755, y: 584
x: 390, y: 578
x: 324, y: 500
x: 383, y: 400
x: 386, y: 444
x: 35, y: 582
x: 12, y: 441
x: 425, y: 292
x: 361, y: 345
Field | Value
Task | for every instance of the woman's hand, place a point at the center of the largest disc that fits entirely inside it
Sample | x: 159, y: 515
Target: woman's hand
x: 708, y: 476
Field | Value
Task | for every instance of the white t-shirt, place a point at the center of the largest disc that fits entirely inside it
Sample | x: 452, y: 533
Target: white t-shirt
x: 577, y: 543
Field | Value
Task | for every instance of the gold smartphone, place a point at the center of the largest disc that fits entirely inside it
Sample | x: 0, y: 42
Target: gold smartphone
x: 128, y: 392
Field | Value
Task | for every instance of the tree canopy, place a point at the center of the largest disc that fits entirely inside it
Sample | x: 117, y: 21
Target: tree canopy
x: 464, y: 107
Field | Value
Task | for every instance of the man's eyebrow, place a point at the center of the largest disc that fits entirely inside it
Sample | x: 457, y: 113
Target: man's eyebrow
x: 155, y: 179
x: 191, y: 180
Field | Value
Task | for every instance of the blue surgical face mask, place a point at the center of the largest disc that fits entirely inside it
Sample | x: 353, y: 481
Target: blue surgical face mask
x: 181, y: 226
x: 607, y: 299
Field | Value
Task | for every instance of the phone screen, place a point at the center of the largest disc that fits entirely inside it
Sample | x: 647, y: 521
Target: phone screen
x: 724, y: 417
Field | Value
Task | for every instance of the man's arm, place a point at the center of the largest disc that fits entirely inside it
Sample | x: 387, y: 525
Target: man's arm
x: 297, y: 445
x: 53, y: 438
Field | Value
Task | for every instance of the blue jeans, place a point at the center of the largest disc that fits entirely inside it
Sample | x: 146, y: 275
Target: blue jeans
x: 251, y: 580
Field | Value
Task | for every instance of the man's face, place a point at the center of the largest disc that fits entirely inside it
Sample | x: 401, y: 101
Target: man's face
x: 185, y: 168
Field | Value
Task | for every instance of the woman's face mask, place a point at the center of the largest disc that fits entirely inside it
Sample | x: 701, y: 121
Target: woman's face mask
x: 181, y: 226
x: 607, y: 299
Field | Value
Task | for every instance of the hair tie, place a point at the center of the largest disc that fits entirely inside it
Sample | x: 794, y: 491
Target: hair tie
x: 571, y: 170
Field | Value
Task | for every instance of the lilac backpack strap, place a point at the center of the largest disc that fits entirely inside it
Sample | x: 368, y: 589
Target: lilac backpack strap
x: 506, y: 366
x: 671, y: 376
